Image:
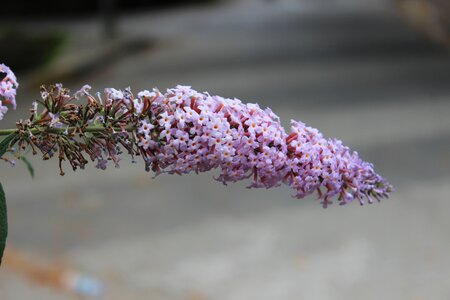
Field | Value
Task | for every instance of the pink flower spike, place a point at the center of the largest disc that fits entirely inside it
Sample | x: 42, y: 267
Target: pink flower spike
x: 183, y: 131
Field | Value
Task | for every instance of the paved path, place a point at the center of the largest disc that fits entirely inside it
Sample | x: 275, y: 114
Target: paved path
x: 361, y: 76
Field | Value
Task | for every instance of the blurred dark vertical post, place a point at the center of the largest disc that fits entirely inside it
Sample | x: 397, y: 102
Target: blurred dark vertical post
x: 109, y: 18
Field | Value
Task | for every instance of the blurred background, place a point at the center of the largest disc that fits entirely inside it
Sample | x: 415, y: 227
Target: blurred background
x: 375, y: 73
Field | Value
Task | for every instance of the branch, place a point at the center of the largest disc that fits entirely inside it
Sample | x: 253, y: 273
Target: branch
x: 93, y: 128
x: 183, y: 130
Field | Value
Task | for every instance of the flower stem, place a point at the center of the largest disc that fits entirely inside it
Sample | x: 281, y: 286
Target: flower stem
x: 7, y: 131
x: 94, y: 128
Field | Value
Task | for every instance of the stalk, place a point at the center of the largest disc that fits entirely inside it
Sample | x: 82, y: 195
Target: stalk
x: 93, y: 128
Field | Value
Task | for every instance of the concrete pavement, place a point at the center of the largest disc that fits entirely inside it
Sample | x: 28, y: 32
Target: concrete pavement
x: 361, y: 76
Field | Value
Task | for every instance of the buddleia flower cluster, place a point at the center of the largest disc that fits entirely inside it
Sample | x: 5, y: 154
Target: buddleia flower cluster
x: 8, y: 88
x: 182, y: 131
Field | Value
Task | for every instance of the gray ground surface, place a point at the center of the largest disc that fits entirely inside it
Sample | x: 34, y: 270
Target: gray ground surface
x: 360, y: 75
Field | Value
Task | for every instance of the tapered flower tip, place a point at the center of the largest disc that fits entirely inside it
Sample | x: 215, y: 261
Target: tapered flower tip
x: 330, y: 168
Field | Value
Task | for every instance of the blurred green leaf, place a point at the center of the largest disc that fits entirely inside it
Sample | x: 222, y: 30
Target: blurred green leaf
x: 4, y: 144
x: 3, y: 222
x: 29, y: 165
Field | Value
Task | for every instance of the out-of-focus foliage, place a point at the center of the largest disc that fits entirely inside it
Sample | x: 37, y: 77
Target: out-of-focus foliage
x: 58, y: 8
x: 429, y: 16
x: 24, y: 51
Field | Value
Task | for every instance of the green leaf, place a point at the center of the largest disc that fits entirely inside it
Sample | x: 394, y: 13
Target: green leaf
x: 29, y: 165
x: 4, y: 144
x: 3, y: 222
